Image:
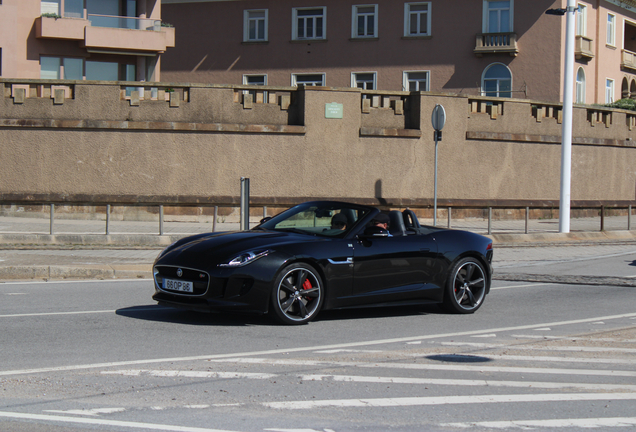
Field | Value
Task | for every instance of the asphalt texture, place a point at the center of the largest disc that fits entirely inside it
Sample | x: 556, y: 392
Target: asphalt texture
x: 80, y: 249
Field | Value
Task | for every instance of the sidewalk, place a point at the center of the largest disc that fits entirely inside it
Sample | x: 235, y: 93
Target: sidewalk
x: 79, y: 249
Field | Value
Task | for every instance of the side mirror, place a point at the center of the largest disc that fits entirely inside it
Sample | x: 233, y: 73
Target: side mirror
x: 265, y: 219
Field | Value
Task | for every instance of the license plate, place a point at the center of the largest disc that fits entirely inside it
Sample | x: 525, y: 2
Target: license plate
x: 177, y: 285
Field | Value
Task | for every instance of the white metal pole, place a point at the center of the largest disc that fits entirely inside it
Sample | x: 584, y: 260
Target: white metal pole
x: 566, y: 144
x: 435, y: 186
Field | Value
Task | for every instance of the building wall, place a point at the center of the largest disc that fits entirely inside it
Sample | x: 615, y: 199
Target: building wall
x: 192, y: 145
x: 22, y: 46
x: 210, y: 48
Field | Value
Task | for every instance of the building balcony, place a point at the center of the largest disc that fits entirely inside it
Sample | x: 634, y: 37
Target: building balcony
x: 628, y: 60
x: 101, y: 32
x: 496, y: 43
x: 583, y: 48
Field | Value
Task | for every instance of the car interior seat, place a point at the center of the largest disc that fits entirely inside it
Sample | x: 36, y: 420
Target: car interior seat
x: 396, y: 224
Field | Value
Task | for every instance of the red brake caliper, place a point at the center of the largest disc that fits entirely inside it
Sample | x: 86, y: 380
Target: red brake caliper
x: 307, y: 284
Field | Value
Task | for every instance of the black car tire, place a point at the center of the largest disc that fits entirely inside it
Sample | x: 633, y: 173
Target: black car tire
x: 297, y: 295
x: 466, y: 287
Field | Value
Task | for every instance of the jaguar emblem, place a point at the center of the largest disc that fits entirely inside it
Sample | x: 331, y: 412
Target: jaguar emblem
x: 179, y: 272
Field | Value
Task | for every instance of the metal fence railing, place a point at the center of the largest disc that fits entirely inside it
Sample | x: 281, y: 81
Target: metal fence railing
x: 83, y: 218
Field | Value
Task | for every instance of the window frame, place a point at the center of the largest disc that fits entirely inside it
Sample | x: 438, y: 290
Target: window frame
x: 294, y: 78
x: 407, y: 19
x: 581, y: 20
x: 355, y: 14
x: 406, y: 81
x: 483, y: 81
x: 580, y: 87
x: 295, y: 23
x: 354, y: 79
x: 610, y: 88
x: 246, y: 25
x: 611, y: 30
x: 486, y: 16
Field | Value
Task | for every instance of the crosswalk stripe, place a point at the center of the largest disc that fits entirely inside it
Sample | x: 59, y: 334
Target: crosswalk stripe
x: 448, y: 400
x: 552, y: 423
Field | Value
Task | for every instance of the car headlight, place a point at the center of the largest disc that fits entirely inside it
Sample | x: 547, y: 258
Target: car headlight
x: 245, y: 258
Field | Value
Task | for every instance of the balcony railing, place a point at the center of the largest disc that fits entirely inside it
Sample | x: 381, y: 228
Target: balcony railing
x: 628, y: 59
x: 496, y: 43
x: 120, y: 22
x: 583, y: 48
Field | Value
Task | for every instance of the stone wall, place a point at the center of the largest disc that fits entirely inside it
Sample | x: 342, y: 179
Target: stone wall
x: 147, y: 143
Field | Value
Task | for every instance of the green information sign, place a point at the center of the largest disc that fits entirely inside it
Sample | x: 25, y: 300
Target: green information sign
x: 333, y: 110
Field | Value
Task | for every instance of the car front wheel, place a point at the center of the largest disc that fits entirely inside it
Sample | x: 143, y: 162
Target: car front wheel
x: 466, y: 287
x: 297, y: 295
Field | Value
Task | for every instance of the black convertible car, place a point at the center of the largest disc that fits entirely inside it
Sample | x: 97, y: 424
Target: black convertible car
x: 326, y: 255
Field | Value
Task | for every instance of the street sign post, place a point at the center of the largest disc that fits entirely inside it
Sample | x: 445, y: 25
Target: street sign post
x: 438, y: 120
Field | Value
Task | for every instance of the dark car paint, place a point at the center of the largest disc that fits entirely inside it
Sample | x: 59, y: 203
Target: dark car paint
x: 385, y: 270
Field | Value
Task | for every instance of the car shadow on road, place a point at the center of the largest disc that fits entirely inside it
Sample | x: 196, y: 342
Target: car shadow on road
x: 186, y: 317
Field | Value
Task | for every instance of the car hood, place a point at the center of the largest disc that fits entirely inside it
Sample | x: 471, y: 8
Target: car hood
x: 218, y: 248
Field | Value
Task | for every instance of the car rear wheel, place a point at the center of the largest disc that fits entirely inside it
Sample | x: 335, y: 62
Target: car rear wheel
x: 466, y: 287
x: 298, y: 294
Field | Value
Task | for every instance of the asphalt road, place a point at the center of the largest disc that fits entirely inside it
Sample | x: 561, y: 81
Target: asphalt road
x: 99, y: 355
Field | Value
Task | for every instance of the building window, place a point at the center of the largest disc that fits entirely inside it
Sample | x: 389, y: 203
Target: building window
x: 255, y: 25
x: 256, y: 80
x: 581, y: 20
x: 417, y: 19
x: 580, y: 86
x: 365, y: 19
x: 498, y: 16
x: 497, y: 81
x: 364, y: 80
x: 309, y: 23
x: 317, y: 79
x: 50, y: 67
x: 416, y: 81
x: 609, y: 91
x: 611, y: 29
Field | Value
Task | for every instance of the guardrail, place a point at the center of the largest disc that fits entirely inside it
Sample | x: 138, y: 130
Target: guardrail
x: 491, y: 219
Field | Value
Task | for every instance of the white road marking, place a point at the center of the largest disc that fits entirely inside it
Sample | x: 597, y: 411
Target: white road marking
x: 380, y: 380
x: 72, y: 281
x: 546, y: 348
x: 103, y: 422
x: 553, y: 423
x: 416, y: 366
x: 88, y: 412
x: 470, y: 383
x: 151, y: 308
x: 449, y: 400
x: 335, y: 351
x: 491, y: 335
x: 16, y: 294
x: 299, y: 430
x: 545, y: 359
x: 574, y: 339
x: 310, y: 348
x: 543, y: 329
x: 190, y: 374
x: 522, y: 286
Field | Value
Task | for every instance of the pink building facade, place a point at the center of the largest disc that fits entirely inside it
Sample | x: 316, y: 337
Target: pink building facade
x: 504, y: 48
x: 112, y: 40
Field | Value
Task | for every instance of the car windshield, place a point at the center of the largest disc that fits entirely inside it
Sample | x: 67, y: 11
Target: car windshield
x: 320, y: 218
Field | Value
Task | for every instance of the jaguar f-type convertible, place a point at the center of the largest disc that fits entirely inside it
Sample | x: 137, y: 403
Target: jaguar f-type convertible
x: 326, y: 255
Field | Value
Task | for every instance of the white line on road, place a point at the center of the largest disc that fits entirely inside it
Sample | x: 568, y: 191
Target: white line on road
x: 554, y: 423
x: 379, y: 380
x: 535, y: 348
x: 522, y: 286
x: 190, y: 374
x: 150, y: 308
x: 452, y: 357
x: 415, y: 366
x: 346, y: 345
x: 102, y: 422
x: 449, y: 400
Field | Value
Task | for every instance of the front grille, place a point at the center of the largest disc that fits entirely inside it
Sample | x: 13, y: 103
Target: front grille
x: 200, y: 280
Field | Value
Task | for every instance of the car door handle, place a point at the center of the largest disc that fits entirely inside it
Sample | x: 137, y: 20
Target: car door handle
x: 349, y: 260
